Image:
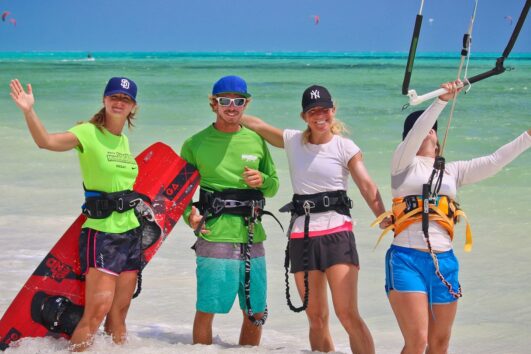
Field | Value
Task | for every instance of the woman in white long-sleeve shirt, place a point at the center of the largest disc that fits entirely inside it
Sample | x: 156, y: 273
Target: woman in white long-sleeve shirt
x: 423, y: 304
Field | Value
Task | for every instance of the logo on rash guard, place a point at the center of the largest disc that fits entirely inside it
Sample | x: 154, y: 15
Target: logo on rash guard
x: 246, y: 157
x: 113, y: 156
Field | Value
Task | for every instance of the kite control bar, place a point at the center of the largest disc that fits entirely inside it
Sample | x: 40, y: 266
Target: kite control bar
x: 415, y: 99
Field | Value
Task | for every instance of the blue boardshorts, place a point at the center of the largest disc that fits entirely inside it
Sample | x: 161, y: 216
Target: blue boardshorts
x: 221, y: 275
x: 110, y: 253
x: 411, y: 270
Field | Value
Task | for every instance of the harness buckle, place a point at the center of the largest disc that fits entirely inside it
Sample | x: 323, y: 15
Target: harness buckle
x: 326, y: 201
x: 120, y: 204
x: 411, y: 203
x: 133, y: 203
x: 347, y: 201
x: 307, y: 206
x: 217, y: 205
x: 254, y: 210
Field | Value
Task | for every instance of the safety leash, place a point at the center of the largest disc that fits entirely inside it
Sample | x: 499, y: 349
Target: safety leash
x: 305, y: 261
x: 251, y: 220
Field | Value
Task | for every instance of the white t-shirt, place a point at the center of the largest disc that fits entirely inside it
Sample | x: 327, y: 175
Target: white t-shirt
x: 315, y: 169
x: 409, y: 172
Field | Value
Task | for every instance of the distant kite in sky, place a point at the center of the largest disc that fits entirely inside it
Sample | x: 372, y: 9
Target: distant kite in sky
x: 316, y: 19
x: 13, y: 21
x: 4, y: 15
x: 430, y: 20
x: 510, y: 19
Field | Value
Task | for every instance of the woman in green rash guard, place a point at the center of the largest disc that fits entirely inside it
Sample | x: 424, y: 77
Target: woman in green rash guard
x: 112, y: 261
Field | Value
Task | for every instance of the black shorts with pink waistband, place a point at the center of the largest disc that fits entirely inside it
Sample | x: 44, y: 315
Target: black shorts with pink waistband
x: 110, y: 253
x: 324, y: 251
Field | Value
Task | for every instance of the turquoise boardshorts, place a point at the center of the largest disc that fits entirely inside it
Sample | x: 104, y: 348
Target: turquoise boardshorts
x: 221, y: 275
x: 411, y: 270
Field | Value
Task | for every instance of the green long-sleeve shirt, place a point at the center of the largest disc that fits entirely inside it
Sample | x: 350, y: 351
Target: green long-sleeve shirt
x: 221, y: 158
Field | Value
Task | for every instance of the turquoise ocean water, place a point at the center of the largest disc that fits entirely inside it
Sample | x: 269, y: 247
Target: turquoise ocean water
x: 41, y: 191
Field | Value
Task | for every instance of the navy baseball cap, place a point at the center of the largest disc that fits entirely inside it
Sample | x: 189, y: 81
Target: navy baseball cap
x: 121, y: 85
x: 410, y: 121
x: 231, y: 84
x: 316, y: 96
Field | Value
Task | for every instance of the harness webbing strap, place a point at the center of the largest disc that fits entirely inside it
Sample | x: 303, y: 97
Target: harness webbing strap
x: 100, y: 205
x: 240, y: 202
x: 435, y: 215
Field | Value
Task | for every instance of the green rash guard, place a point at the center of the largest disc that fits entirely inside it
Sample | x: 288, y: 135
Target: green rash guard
x: 221, y: 158
x: 106, y: 166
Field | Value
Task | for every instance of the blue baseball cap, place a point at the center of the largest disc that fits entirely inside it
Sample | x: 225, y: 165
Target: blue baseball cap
x: 231, y: 84
x: 121, y: 85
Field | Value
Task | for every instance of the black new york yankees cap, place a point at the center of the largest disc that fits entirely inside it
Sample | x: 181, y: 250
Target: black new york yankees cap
x: 316, y: 96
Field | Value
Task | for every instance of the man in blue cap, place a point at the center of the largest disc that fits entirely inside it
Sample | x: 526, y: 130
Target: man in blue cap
x: 237, y: 172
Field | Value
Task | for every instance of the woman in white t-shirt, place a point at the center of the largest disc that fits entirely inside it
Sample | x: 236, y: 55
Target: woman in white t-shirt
x: 322, y: 248
x: 421, y: 269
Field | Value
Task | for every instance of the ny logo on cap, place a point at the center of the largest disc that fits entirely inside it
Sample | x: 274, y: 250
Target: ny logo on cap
x: 125, y: 84
x: 314, y: 95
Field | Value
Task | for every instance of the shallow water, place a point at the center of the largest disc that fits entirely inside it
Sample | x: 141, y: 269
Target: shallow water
x: 42, y: 191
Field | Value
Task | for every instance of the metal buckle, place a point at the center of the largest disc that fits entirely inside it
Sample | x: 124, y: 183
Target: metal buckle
x: 308, y: 205
x: 350, y: 203
x: 218, y: 205
x: 253, y: 210
x: 134, y: 202
x: 326, y: 201
x: 120, y: 204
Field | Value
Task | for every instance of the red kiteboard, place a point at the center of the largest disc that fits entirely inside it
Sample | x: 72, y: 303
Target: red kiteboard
x: 51, y: 302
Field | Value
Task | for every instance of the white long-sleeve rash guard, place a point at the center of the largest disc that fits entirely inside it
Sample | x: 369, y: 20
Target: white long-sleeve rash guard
x: 409, y: 172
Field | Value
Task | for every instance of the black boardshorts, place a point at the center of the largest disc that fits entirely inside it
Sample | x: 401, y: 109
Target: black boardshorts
x: 324, y: 251
x: 110, y: 253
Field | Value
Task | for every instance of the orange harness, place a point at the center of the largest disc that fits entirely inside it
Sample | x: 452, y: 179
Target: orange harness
x: 408, y: 210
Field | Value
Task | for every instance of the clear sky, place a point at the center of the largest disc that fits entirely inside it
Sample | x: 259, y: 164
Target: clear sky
x: 255, y: 25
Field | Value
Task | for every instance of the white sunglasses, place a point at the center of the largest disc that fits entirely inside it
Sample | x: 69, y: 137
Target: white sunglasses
x: 226, y: 101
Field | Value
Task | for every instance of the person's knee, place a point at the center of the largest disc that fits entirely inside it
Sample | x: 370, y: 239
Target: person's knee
x: 438, y: 344
x: 416, y: 343
x: 95, y: 315
x: 349, y: 318
x: 318, y: 320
